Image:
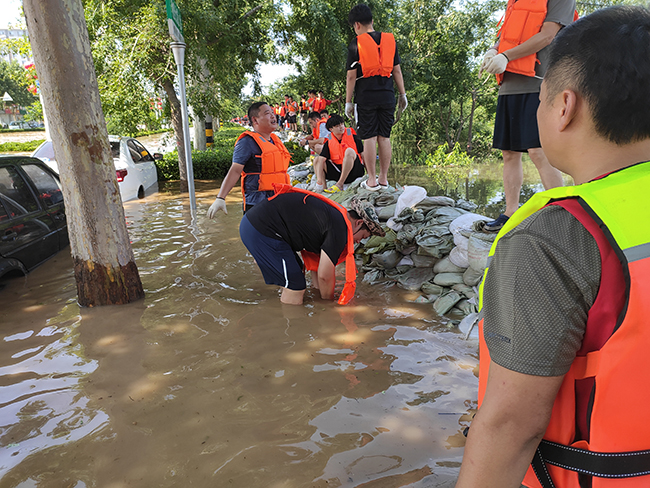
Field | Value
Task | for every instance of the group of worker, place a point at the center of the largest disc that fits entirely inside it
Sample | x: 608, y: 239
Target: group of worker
x: 293, y: 114
x: 564, y: 311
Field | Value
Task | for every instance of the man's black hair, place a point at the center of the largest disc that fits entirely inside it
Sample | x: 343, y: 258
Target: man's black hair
x: 333, y: 121
x: 313, y: 115
x: 324, y: 112
x: 254, y: 110
x: 312, y: 91
x: 355, y: 216
x: 360, y: 13
x: 605, y: 58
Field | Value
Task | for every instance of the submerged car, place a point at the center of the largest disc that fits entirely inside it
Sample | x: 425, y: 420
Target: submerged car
x: 134, y: 165
x: 33, y: 226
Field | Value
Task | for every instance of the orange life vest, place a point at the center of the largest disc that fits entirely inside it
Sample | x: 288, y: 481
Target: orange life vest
x: 376, y: 59
x: 275, y: 162
x: 316, y: 130
x: 597, y: 425
x: 522, y: 20
x: 312, y: 260
x: 337, y: 148
x: 303, y: 105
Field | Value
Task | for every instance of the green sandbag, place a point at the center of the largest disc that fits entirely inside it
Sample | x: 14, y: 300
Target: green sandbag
x: 430, y: 288
x: 446, y: 302
x: 448, y: 279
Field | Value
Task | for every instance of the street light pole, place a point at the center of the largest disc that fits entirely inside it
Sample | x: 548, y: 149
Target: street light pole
x: 178, y: 48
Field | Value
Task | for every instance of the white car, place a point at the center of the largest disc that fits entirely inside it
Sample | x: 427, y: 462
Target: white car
x: 134, y: 165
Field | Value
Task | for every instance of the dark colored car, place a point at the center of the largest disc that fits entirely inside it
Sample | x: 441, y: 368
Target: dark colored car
x: 33, y: 227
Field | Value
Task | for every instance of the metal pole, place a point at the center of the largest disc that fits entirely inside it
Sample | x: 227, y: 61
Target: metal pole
x: 178, y: 48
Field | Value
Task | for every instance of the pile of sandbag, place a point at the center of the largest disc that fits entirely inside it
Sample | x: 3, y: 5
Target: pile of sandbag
x: 433, y: 245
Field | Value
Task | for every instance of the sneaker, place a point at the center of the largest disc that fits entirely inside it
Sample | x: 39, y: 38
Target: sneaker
x: 333, y: 189
x: 497, y: 224
x: 365, y: 186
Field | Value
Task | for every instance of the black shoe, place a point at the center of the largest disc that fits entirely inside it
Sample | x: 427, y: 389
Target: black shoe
x: 496, y: 225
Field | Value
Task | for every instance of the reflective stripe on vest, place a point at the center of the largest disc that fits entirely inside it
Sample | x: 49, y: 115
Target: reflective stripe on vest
x: 604, y: 430
x: 337, y: 148
x: 376, y: 59
x: 275, y: 161
x: 312, y: 260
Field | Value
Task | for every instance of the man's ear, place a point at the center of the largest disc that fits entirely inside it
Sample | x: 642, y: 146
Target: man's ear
x: 356, y: 225
x: 570, y: 104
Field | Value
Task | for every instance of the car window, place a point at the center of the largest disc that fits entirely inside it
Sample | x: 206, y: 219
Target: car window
x: 3, y: 213
x: 45, y: 151
x: 135, y: 152
x: 15, y: 193
x: 49, y: 190
x: 115, y: 149
x: 144, y: 154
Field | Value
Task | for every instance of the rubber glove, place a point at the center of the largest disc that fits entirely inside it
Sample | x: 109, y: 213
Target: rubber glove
x: 402, y: 103
x: 486, y: 59
x: 349, y: 110
x: 219, y: 204
x: 497, y: 64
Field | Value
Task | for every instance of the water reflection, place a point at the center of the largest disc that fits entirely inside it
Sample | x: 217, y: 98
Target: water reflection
x: 211, y: 381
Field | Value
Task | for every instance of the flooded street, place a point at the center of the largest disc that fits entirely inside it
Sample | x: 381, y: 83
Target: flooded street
x: 211, y: 381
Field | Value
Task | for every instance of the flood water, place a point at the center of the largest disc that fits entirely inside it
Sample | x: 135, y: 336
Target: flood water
x: 210, y: 381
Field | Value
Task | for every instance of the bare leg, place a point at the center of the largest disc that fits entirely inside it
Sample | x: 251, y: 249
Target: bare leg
x: 370, y: 158
x: 292, y: 297
x: 513, y: 178
x: 385, y: 155
x: 319, y: 169
x: 346, y: 166
x: 551, y: 177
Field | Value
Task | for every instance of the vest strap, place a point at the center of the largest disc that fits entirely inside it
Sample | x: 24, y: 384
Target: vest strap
x: 600, y: 464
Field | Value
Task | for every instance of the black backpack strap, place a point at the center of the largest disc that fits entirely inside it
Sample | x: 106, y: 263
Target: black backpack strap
x: 539, y: 467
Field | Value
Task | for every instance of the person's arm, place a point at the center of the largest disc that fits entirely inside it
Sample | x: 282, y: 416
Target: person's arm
x: 326, y: 276
x: 507, y: 429
x: 234, y: 174
x: 399, y: 79
x: 536, y: 43
x: 350, y: 81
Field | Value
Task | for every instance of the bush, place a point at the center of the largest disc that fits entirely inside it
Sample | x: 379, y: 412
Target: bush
x: 27, y: 146
x: 298, y: 153
x: 457, y: 157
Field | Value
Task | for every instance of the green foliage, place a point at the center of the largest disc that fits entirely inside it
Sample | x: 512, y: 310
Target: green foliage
x: 442, y: 157
x: 27, y: 146
x: 14, y: 82
x: 212, y: 164
x: 34, y: 111
x: 298, y: 153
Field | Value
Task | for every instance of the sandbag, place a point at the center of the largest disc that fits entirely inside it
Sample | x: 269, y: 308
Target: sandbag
x: 458, y: 257
x: 465, y: 306
x: 471, y: 277
x: 446, y: 302
x: 447, y: 279
x: 468, y: 326
x: 414, y: 278
x: 423, y: 261
x: 385, y: 213
x: 430, y: 245
x: 429, y: 203
x: 387, y: 259
x: 444, y: 215
x: 429, y: 288
x: 446, y: 266
x: 478, y: 250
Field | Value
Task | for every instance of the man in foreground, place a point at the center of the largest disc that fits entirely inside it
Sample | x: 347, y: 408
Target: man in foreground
x: 297, y: 220
x: 373, y: 64
x: 260, y: 159
x: 340, y: 158
x: 519, y: 61
x: 566, y: 315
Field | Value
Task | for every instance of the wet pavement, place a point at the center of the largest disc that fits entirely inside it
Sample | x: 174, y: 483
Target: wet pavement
x: 210, y: 381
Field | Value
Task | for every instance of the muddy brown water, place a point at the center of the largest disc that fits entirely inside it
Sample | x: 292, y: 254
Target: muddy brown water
x: 210, y: 381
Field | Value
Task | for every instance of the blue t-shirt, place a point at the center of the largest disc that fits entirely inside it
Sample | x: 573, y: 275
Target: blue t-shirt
x: 248, y: 153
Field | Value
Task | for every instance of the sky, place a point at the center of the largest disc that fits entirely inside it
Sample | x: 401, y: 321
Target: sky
x: 269, y: 73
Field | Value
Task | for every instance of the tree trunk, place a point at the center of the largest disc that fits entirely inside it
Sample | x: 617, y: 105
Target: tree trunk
x: 199, y: 134
x: 177, y: 124
x: 471, y: 121
x: 104, y: 265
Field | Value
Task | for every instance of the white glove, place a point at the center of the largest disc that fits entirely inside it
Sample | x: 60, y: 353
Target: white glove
x: 402, y: 103
x: 486, y: 59
x: 497, y: 64
x: 219, y: 204
x: 349, y: 110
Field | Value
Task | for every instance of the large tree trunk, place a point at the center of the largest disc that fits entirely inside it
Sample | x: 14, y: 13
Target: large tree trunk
x: 104, y: 265
x: 177, y: 124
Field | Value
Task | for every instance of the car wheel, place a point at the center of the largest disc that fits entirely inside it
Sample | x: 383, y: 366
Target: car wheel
x: 140, y: 193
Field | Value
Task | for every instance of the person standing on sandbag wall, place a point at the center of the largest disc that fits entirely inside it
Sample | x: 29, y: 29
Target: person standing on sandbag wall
x: 373, y: 63
x: 519, y: 60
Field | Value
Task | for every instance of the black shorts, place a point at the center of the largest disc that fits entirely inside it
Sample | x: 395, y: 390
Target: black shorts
x: 291, y: 119
x: 375, y: 121
x: 333, y: 171
x: 515, y: 125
